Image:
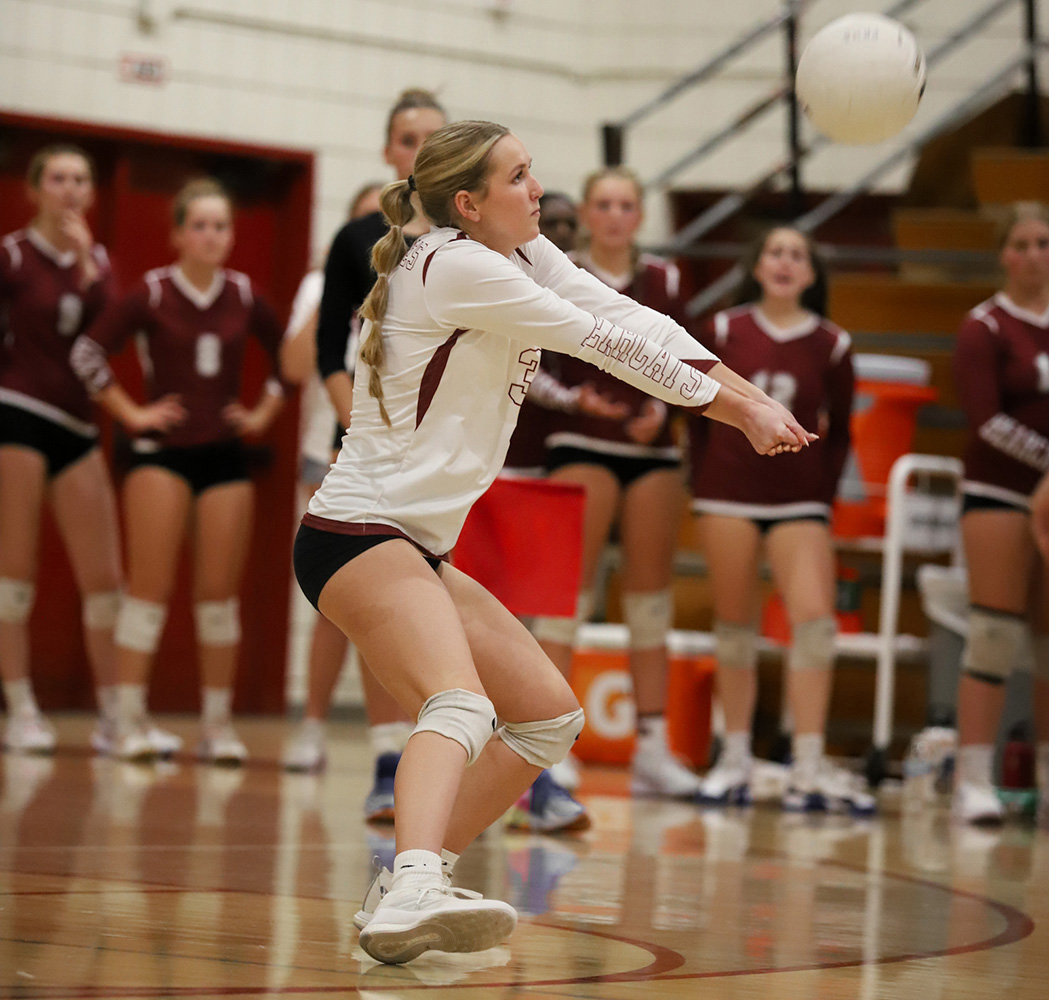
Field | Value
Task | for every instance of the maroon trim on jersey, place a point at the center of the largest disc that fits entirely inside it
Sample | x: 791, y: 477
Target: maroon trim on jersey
x: 524, y: 257
x: 426, y: 263
x: 433, y: 374
x: 359, y: 528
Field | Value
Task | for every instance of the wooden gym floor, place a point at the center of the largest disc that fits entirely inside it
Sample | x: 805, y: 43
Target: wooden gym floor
x: 118, y: 881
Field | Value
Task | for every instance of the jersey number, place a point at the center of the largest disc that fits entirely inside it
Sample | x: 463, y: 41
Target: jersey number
x: 1041, y: 362
x: 529, y: 360
x: 781, y: 386
x: 209, y: 355
x: 70, y: 312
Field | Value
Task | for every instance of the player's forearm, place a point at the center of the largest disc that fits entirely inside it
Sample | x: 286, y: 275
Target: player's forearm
x: 340, y: 392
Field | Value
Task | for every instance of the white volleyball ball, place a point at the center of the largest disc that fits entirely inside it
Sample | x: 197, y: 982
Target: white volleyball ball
x: 860, y: 78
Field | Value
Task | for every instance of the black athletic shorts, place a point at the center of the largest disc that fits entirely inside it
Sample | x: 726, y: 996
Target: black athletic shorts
x: 626, y: 468
x: 766, y: 524
x: 202, y: 466
x: 974, y: 501
x: 318, y: 555
x: 60, y: 446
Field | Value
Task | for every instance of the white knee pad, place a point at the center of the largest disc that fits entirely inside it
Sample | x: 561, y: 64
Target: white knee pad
x: 546, y: 742
x: 100, y: 610
x: 736, y: 646
x: 812, y: 645
x: 1040, y: 658
x: 996, y: 640
x: 648, y: 618
x: 139, y: 624
x: 16, y: 600
x: 218, y: 622
x: 459, y: 715
x: 563, y: 630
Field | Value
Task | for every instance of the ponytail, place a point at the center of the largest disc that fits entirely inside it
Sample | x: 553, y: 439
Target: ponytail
x: 396, y: 203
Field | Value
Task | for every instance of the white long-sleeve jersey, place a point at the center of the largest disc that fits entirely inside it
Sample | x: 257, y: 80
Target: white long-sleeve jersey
x: 463, y: 329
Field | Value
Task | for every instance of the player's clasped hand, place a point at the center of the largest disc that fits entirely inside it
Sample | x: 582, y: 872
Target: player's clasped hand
x: 161, y: 415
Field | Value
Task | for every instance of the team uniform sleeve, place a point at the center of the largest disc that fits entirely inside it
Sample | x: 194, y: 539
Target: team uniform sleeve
x: 267, y: 330
x: 100, y: 292
x: 348, y: 278
x: 976, y: 366
x: 106, y: 336
x: 553, y: 270
x: 473, y: 288
x: 841, y: 387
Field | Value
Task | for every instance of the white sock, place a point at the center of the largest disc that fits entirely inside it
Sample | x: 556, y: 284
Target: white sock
x: 107, y: 700
x: 975, y: 762
x: 417, y: 870
x: 217, y: 704
x: 448, y: 860
x: 737, y: 746
x: 312, y: 727
x: 807, y: 749
x: 130, y: 702
x: 389, y: 737
x: 19, y: 697
x: 652, y: 733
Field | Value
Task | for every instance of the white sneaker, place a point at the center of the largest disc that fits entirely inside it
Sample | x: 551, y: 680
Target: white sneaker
x: 383, y: 882
x: 103, y: 736
x: 219, y: 744
x: 408, y: 922
x: 727, y: 783
x: 656, y: 771
x: 828, y: 788
x: 568, y: 773
x: 165, y: 744
x: 977, y: 802
x: 131, y: 743
x: 306, y: 751
x: 29, y: 732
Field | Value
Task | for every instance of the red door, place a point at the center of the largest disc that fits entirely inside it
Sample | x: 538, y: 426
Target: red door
x: 138, y: 175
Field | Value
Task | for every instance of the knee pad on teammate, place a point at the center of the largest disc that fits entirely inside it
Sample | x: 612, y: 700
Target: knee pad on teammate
x: 16, y: 600
x: 996, y: 640
x: 139, y: 624
x: 736, y: 646
x: 546, y: 742
x: 812, y: 645
x: 648, y: 618
x: 100, y: 610
x: 218, y: 622
x: 459, y: 715
x: 563, y: 630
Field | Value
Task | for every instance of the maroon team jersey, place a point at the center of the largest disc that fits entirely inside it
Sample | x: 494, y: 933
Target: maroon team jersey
x: 657, y: 284
x: 809, y: 370
x: 42, y: 310
x: 190, y: 343
x: 1001, y: 366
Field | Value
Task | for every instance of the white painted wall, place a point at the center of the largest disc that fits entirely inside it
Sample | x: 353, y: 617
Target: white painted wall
x: 321, y: 74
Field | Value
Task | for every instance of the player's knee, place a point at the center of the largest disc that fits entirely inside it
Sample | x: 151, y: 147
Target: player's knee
x: 812, y: 644
x: 16, y: 600
x: 218, y: 622
x: 100, y: 610
x: 735, y: 646
x: 459, y: 715
x: 564, y: 630
x: 648, y: 618
x: 546, y: 742
x: 139, y: 624
x: 996, y: 640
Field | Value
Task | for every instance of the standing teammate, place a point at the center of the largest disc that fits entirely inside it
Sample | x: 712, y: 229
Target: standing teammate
x: 453, y: 334
x: 54, y: 280
x: 631, y: 469
x: 781, y: 342
x: 189, y: 470
x: 1001, y: 366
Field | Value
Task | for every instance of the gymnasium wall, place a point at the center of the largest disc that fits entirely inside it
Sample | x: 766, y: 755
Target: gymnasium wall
x: 320, y: 74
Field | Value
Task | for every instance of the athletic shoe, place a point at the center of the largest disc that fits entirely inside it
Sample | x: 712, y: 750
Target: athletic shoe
x: 29, y: 732
x: 132, y: 743
x: 165, y: 744
x: 827, y: 788
x: 306, y: 752
x: 382, y: 883
x: 103, y: 736
x: 378, y: 806
x: 656, y: 771
x: 568, y: 773
x: 547, y: 808
x: 977, y: 802
x: 410, y: 921
x: 727, y: 783
x: 219, y: 744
